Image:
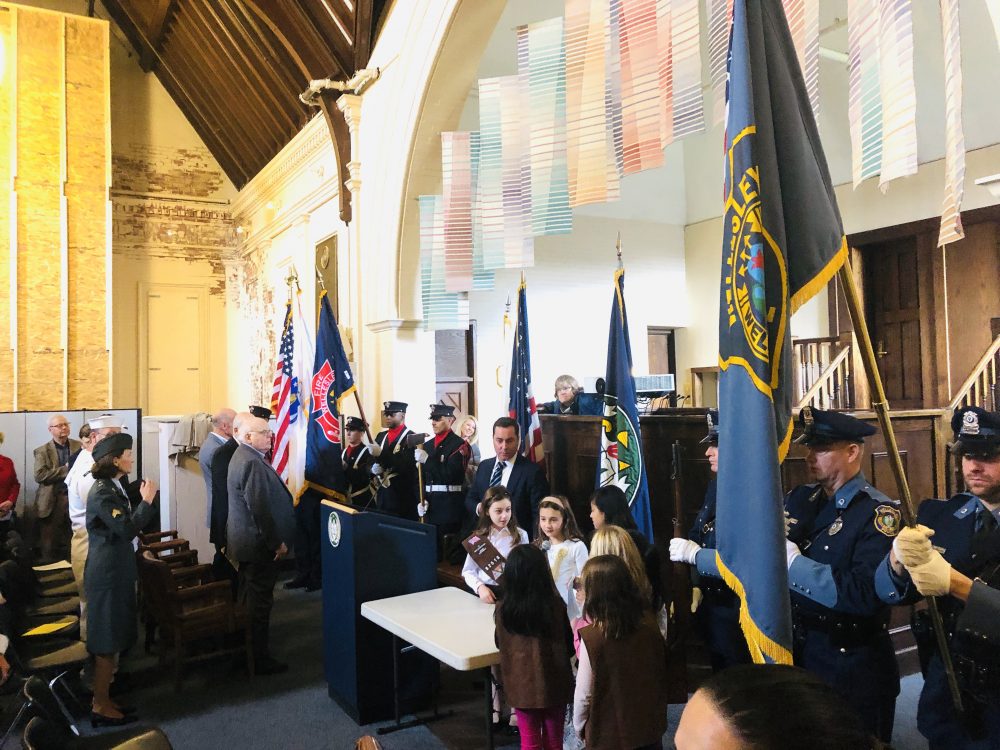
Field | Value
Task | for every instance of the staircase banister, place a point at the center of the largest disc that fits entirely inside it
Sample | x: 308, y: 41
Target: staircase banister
x: 976, y: 373
x: 824, y: 377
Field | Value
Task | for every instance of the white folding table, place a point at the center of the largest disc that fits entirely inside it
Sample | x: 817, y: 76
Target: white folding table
x: 453, y: 626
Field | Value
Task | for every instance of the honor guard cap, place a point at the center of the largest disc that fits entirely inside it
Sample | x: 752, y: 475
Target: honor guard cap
x: 391, y: 407
x: 442, y: 410
x: 260, y: 411
x: 112, y: 445
x: 977, y: 432
x: 355, y: 424
x: 104, y: 421
x: 712, y: 438
x: 821, y: 427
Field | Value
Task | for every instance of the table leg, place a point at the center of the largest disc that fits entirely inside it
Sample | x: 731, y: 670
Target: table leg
x: 395, y: 676
x: 488, y: 681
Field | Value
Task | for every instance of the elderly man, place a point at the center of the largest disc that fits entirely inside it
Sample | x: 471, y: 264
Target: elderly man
x: 51, y: 508
x: 443, y: 459
x: 261, y: 524
x: 222, y: 431
x: 219, y: 477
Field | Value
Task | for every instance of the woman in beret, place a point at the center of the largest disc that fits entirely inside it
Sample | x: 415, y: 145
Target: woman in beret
x: 110, y: 575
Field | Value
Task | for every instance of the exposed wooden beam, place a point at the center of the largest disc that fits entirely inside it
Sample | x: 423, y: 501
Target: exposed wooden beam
x: 160, y: 14
x: 364, y: 32
x: 326, y: 27
x: 340, y: 134
x: 299, y: 36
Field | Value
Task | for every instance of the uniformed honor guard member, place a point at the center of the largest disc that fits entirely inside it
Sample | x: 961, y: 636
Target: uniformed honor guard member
x: 358, y: 462
x: 717, y: 614
x: 966, y: 545
x: 444, y: 458
x: 840, y: 530
x: 394, y: 471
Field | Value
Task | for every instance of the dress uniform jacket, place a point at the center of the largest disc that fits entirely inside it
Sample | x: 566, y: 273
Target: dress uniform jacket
x: 718, y: 616
x: 444, y: 477
x: 111, y: 574
x: 50, y: 476
x: 398, y: 491
x: 358, y: 462
x: 841, y: 624
x: 954, y: 522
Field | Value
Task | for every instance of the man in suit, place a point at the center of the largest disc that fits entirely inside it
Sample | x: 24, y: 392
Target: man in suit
x: 222, y: 430
x: 260, y: 527
x: 219, y: 476
x: 523, y: 479
x: 394, y: 469
x: 52, y: 499
x: 443, y: 458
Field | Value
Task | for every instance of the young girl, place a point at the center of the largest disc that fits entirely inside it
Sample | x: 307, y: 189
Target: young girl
x: 496, y: 519
x: 621, y: 685
x: 535, y: 647
x: 560, y: 538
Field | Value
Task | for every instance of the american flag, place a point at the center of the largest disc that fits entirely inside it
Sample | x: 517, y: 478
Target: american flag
x: 522, y: 405
x: 285, y: 396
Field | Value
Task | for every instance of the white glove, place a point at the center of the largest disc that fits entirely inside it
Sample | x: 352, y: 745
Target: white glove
x: 375, y: 449
x: 683, y: 550
x: 376, y: 468
x: 912, y: 545
x: 420, y: 455
x: 791, y: 552
x: 788, y: 524
x: 696, y: 597
x: 422, y: 509
x: 933, y: 578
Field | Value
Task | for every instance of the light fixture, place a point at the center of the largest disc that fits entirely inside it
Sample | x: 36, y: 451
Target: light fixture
x: 991, y: 183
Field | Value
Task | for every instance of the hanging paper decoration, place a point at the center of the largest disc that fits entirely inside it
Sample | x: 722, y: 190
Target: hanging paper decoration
x: 640, y: 86
x: 442, y: 310
x: 954, y: 154
x: 665, y: 71
x: 613, y: 87
x: 803, y: 22
x: 864, y: 101
x: 541, y: 64
x: 720, y: 19
x: 685, y: 54
x: 590, y: 147
x: 504, y: 198
x: 898, y: 91
x: 462, y: 244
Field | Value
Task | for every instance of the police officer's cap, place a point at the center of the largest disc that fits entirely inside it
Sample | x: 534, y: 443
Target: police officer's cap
x: 821, y: 427
x: 104, y: 421
x: 355, y: 424
x: 261, y: 412
x: 391, y: 407
x: 977, y: 432
x: 712, y: 438
x: 112, y: 445
x: 442, y: 410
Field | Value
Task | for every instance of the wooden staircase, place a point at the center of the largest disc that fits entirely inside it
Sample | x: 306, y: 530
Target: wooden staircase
x: 823, y: 373
x: 980, y: 388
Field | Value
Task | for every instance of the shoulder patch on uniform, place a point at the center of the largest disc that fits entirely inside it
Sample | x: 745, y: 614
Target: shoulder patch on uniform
x: 115, y: 513
x: 887, y: 520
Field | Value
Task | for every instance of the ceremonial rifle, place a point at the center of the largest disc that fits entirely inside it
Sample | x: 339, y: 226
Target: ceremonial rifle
x: 680, y: 587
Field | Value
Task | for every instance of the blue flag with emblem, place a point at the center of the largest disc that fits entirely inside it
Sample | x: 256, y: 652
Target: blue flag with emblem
x: 782, y: 242
x: 621, y: 459
x: 331, y: 383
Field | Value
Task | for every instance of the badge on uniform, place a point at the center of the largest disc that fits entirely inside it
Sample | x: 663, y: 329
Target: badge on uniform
x: 115, y: 513
x: 887, y: 520
x: 836, y: 526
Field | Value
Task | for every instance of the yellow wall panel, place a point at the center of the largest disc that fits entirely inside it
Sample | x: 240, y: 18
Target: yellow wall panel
x: 6, y: 143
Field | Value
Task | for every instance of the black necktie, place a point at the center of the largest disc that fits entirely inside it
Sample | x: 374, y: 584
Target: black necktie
x: 983, y: 540
x: 497, y: 473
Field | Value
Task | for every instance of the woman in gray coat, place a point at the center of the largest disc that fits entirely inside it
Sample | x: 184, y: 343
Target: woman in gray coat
x: 110, y: 575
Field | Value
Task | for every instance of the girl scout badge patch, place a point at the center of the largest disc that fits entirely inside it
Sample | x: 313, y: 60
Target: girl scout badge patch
x: 887, y: 520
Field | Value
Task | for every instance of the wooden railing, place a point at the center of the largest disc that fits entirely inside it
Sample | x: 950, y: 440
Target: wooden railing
x: 980, y: 388
x: 831, y: 388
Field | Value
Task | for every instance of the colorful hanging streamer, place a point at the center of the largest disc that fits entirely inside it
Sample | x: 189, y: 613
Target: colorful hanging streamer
x: 685, y: 59
x: 541, y: 64
x: 864, y: 98
x: 665, y: 71
x: 803, y: 22
x: 954, y: 154
x: 720, y: 19
x: 442, y: 310
x: 463, y: 256
x: 898, y: 91
x: 640, y: 85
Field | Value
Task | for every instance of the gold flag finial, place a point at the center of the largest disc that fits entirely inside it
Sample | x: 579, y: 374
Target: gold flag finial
x: 618, y: 248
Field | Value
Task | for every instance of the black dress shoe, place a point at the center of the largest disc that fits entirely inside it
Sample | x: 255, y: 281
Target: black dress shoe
x: 269, y: 666
x: 314, y: 586
x: 297, y: 583
x: 100, y: 720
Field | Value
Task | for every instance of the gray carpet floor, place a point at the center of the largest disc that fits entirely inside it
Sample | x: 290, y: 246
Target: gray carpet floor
x: 218, y: 708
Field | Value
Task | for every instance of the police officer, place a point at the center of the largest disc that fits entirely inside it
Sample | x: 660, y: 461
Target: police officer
x: 966, y: 546
x: 443, y: 458
x: 716, y: 607
x: 358, y: 462
x: 840, y: 529
x: 394, y: 470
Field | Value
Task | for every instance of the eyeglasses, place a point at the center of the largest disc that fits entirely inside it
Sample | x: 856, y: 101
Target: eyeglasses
x: 263, y: 432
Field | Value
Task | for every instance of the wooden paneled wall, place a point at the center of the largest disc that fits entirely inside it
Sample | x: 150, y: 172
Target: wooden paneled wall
x: 54, y: 224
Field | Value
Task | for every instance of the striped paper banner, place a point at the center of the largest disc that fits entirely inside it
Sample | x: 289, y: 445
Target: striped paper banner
x: 442, y: 310
x: 954, y: 155
x: 541, y: 63
x: 864, y: 95
x: 504, y: 200
x: 898, y: 91
x: 665, y: 72
x: 590, y: 148
x: 803, y: 22
x: 613, y: 85
x: 457, y: 200
x: 639, y: 47
x: 720, y: 19
x: 685, y: 54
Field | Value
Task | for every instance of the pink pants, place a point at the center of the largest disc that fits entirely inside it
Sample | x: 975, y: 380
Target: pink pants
x: 541, y: 728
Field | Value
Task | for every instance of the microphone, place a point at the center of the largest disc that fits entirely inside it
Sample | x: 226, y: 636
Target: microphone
x: 546, y: 545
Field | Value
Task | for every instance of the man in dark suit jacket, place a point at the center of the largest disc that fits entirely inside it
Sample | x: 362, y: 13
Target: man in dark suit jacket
x: 219, y: 510
x: 260, y: 527
x: 523, y: 479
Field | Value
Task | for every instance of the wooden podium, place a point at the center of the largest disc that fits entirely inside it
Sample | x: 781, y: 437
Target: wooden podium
x: 368, y: 556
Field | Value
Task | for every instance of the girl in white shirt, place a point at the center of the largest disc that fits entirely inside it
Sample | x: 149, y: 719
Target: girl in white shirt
x: 496, y: 519
x: 560, y: 538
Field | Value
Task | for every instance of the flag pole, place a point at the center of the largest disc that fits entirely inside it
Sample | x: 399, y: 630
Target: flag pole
x: 881, y: 408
